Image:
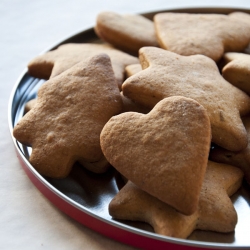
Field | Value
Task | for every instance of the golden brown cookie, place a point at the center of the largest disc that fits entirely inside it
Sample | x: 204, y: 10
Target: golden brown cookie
x: 126, y: 32
x: 241, y: 16
x: 103, y: 164
x: 167, y: 74
x: 206, y: 34
x: 132, y: 69
x: 237, y: 70
x: 71, y: 109
x: 29, y: 105
x: 129, y: 105
x: 240, y: 159
x: 215, y: 212
x: 97, y: 166
x: 65, y: 56
x: 164, y: 152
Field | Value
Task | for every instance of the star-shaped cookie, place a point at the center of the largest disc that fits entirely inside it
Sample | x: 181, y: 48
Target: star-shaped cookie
x: 65, y: 56
x: 237, y: 70
x: 71, y: 109
x: 239, y: 159
x: 215, y: 212
x: 206, y: 34
x: 167, y: 74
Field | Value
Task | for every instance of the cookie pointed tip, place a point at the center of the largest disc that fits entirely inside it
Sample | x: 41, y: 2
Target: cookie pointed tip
x: 101, y: 58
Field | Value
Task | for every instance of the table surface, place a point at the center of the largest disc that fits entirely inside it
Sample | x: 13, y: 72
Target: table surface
x: 28, y: 220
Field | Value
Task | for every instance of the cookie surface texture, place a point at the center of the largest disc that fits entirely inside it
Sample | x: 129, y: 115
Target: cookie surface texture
x: 71, y: 109
x: 205, y: 34
x: 164, y: 152
x: 65, y: 56
x: 126, y: 32
x: 237, y: 70
x: 167, y: 74
x: 215, y: 212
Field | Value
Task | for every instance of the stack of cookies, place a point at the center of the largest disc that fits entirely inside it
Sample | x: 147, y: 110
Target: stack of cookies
x: 149, y: 101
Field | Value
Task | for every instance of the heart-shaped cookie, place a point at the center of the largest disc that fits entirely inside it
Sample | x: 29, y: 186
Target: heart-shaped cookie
x: 164, y: 152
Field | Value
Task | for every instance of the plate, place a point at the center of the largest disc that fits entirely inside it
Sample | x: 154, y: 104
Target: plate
x: 85, y: 196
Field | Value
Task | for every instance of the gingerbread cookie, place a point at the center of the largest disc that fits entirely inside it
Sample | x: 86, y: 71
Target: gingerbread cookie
x: 29, y: 105
x: 132, y: 69
x: 241, y: 16
x: 167, y: 74
x: 99, y: 166
x: 164, y: 152
x: 126, y: 32
x: 65, y: 56
x: 239, y: 159
x: 129, y: 105
x: 237, y: 70
x: 215, y: 212
x: 96, y: 166
x: 206, y: 34
x: 71, y: 109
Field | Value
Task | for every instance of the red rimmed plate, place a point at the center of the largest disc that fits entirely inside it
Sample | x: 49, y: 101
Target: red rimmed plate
x: 85, y: 196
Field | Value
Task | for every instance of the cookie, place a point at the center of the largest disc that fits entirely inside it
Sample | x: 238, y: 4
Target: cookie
x: 96, y: 167
x: 168, y: 74
x: 29, y: 105
x: 215, y: 211
x: 102, y: 164
x: 126, y: 32
x: 207, y: 34
x: 65, y: 56
x: 241, y: 16
x: 129, y: 105
x: 164, y: 152
x: 240, y: 159
x: 71, y: 109
x: 132, y: 69
x: 237, y: 70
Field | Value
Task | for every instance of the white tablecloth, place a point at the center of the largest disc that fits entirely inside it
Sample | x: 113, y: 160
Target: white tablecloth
x: 28, y: 220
